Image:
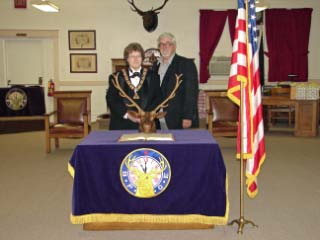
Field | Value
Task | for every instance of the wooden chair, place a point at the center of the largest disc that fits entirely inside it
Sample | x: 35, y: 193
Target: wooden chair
x: 280, y: 112
x: 222, y: 114
x: 71, y: 116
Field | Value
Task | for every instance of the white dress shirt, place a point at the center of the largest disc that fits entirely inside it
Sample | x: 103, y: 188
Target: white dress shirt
x: 163, y: 67
x: 135, y: 82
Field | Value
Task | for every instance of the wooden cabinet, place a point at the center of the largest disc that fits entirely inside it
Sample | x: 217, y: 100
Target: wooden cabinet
x: 118, y: 64
x: 307, y: 118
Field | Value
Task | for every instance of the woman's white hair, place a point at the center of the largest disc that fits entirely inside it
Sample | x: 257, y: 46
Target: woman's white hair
x: 167, y: 35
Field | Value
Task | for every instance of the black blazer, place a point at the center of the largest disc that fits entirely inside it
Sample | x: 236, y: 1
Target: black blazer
x: 149, y: 93
x: 185, y: 104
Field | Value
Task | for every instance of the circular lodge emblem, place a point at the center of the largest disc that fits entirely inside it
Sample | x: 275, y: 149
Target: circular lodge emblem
x: 145, y: 173
x: 16, y: 99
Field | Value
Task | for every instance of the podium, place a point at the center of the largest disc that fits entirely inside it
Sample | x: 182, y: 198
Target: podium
x: 21, y: 108
x: 34, y: 101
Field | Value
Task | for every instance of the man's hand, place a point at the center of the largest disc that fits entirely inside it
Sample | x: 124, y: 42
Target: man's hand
x: 186, y: 123
x: 133, y: 119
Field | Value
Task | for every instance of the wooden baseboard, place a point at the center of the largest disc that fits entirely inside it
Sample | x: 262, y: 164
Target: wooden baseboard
x: 21, y: 126
x: 144, y: 226
x: 20, y: 118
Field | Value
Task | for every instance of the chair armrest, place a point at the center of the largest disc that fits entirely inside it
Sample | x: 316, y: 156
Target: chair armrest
x: 86, y: 113
x: 47, y: 120
x: 50, y: 113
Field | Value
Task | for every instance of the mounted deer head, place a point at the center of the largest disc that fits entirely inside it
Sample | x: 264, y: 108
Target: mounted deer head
x: 150, y: 18
x: 147, y: 119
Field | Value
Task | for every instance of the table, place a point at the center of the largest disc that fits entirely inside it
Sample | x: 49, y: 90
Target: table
x: 306, y: 113
x: 195, y: 196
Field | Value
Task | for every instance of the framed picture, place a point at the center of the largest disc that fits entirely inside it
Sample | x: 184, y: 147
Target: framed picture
x: 20, y: 3
x: 83, y: 63
x: 82, y: 39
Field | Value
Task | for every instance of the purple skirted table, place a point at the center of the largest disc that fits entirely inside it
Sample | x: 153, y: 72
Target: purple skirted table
x: 196, y: 193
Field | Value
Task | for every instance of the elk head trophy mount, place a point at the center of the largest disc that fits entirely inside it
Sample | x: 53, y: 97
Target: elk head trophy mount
x: 147, y: 119
x: 150, y: 18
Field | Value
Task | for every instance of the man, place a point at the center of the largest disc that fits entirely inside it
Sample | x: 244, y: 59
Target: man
x: 182, y: 111
x: 141, y: 84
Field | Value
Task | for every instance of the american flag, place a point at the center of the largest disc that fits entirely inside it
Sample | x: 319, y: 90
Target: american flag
x: 245, y: 68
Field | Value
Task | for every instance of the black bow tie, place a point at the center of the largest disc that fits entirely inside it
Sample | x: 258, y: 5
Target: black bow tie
x: 135, y: 74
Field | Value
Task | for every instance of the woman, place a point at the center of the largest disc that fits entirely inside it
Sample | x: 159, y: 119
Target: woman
x: 141, y: 84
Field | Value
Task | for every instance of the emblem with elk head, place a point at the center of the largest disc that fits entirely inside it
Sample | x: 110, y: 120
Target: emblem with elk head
x: 144, y: 179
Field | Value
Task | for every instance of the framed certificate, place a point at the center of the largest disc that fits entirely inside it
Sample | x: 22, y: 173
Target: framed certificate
x: 83, y: 63
x: 82, y: 39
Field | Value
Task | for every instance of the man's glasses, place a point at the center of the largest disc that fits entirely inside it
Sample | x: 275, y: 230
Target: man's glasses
x: 167, y: 44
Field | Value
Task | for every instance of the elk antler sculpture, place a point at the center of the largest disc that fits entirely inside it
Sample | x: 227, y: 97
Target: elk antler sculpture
x: 150, y: 18
x: 147, y: 119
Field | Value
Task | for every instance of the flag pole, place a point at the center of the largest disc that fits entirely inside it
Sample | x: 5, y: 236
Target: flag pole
x: 242, y: 221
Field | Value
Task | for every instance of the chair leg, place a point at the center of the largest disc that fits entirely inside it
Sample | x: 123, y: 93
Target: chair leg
x: 289, y: 118
x: 56, y: 142
x: 269, y: 118
x: 48, y: 145
x: 85, y: 125
x: 47, y: 134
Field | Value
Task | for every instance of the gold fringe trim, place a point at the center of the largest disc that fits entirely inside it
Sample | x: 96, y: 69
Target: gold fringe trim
x: 251, y: 178
x: 245, y: 155
x: 153, y: 218
x: 70, y: 170
x: 149, y: 218
x: 230, y: 94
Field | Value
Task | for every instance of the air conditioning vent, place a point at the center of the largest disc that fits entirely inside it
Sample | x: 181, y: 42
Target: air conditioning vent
x: 220, y: 66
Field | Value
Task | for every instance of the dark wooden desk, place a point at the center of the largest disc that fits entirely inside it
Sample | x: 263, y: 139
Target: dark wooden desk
x: 278, y: 101
x: 306, y: 113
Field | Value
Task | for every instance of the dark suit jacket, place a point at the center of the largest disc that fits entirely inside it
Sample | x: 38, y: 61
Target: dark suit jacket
x: 149, y: 93
x: 185, y: 104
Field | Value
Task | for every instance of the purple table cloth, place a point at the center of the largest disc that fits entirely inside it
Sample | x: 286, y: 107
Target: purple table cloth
x: 197, y: 191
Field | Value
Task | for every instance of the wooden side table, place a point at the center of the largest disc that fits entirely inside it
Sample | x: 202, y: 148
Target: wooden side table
x: 306, y: 118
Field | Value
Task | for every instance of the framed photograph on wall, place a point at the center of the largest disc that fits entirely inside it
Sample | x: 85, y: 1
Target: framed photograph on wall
x: 83, y: 63
x: 82, y: 39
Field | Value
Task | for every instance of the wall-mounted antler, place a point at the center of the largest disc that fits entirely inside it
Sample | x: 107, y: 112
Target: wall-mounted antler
x: 134, y: 8
x: 150, y: 18
x: 147, y: 124
x: 159, y: 8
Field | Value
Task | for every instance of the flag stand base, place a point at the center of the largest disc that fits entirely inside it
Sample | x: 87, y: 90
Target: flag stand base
x: 241, y: 223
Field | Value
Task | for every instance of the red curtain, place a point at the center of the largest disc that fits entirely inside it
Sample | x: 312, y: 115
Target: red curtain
x: 211, y: 27
x: 287, y: 32
x: 232, y: 18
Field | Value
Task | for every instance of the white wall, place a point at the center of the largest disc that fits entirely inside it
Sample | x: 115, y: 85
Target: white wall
x: 2, y: 64
x: 116, y: 25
